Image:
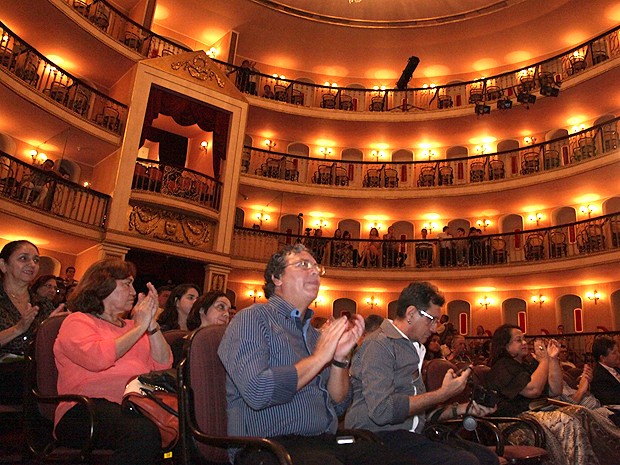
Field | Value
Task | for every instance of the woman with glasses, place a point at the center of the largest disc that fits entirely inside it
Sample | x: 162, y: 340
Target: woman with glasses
x: 45, y: 287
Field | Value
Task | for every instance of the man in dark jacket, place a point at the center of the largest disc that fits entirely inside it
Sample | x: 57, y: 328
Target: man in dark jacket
x: 605, y: 383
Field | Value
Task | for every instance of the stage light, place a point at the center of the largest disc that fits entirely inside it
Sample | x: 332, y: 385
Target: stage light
x: 504, y: 104
x: 549, y: 91
x: 482, y: 109
x: 526, y: 98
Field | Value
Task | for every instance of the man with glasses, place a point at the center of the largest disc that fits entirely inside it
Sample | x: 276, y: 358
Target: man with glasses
x: 389, y: 395
x: 285, y: 379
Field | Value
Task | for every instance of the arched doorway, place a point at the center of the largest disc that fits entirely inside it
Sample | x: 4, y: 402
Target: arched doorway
x: 343, y: 305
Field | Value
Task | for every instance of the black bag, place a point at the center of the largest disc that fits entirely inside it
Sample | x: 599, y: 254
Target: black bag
x: 165, y: 380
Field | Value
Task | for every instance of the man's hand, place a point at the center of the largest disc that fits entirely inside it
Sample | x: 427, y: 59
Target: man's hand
x: 353, y: 331
x: 480, y: 410
x: 453, y: 384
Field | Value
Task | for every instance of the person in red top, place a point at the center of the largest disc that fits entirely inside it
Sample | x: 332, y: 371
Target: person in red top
x: 97, y: 352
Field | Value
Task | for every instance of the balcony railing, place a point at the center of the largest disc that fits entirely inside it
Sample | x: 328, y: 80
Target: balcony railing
x: 50, y: 193
x: 525, y: 161
x: 501, y: 91
x: 180, y: 183
x: 582, y: 238
x: 22, y: 61
x: 122, y: 28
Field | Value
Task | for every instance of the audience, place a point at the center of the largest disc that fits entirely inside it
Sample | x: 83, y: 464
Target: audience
x: 39, y: 183
x: 370, y: 253
x: 178, y: 305
x: 424, y: 251
x: 288, y: 381
x: 19, y: 314
x: 163, y: 292
x: 389, y: 396
x: 69, y: 276
x: 342, y: 249
x: 605, y: 383
x: 45, y: 289
x: 433, y: 347
x: 392, y: 256
x: 458, y: 353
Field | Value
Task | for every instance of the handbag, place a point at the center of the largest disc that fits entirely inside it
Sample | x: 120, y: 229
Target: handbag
x: 156, y: 404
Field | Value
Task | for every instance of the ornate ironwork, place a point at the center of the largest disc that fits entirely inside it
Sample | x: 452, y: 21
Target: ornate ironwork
x: 169, y: 226
x: 198, y: 68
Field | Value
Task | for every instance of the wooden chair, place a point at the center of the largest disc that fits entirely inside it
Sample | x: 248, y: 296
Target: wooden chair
x: 551, y: 159
x: 557, y: 244
x: 390, y: 177
x: 323, y: 175
x: 530, y: 163
x: 279, y: 93
x: 427, y: 176
x: 446, y: 175
x: 496, y: 170
x: 535, y: 247
x: 372, y: 178
x: 376, y: 104
x: 341, y: 177
x: 444, y: 101
x: 346, y: 102
x: 475, y: 95
x: 476, y: 171
x: 328, y: 100
x: 499, y: 254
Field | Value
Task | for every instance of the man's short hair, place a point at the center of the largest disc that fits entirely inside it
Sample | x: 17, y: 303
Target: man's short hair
x: 70, y: 268
x: 276, y: 266
x: 419, y: 294
x: 602, y: 346
x: 372, y: 323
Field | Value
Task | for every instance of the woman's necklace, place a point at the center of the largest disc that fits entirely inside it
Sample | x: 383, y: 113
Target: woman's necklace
x: 23, y: 298
x: 119, y: 323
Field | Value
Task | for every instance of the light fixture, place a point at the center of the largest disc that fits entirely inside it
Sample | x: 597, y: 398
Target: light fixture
x: 429, y: 226
x: 482, y: 109
x: 504, y: 104
x: 37, y: 157
x: 376, y: 225
x: 429, y: 154
x: 539, y: 299
x: 372, y: 301
x: 321, y: 223
x: 319, y: 300
x: 535, y: 218
x: 526, y: 98
x: 86, y: 184
x: 262, y: 216
x: 485, y: 302
x: 377, y: 154
x: 587, y: 209
x: 595, y: 296
x: 529, y: 140
x: 255, y: 295
x: 212, y: 52
x: 355, y: 1
x: 270, y: 144
x: 578, y: 128
x: 325, y: 151
x: 484, y: 223
x: 481, y: 149
x: 204, y: 146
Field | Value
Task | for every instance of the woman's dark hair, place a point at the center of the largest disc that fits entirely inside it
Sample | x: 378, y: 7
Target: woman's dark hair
x: 169, y: 318
x: 41, y: 280
x: 499, y: 341
x: 98, y: 282
x: 10, y: 248
x: 276, y: 266
x: 202, y: 303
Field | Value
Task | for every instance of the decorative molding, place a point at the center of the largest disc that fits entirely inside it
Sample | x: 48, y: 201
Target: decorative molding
x: 198, y: 68
x: 169, y: 226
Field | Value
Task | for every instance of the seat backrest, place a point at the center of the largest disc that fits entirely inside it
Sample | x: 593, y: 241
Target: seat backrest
x: 43, y: 371
x: 206, y: 377
x: 436, y: 370
x: 172, y: 335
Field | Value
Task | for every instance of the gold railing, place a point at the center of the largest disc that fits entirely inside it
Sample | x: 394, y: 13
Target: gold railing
x: 525, y: 161
x: 50, y: 193
x: 20, y: 60
x: 176, y: 182
x: 582, y: 238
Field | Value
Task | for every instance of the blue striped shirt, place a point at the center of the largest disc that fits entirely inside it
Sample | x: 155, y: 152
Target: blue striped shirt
x: 259, y: 350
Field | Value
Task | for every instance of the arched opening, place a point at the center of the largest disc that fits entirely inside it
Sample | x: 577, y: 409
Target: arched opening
x: 566, y: 311
x: 511, y: 308
x: 456, y: 310
x: 614, y: 301
x: 391, y: 309
x: 49, y: 265
x: 292, y: 225
x: 343, y: 305
x: 354, y: 170
x: 507, y: 145
x: 353, y: 226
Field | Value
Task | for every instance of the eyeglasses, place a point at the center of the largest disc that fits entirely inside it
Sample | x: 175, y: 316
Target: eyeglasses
x: 430, y: 317
x: 307, y: 265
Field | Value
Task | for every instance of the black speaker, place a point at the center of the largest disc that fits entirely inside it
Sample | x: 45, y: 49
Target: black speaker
x: 412, y: 64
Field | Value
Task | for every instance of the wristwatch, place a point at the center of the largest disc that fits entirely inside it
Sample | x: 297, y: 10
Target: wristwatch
x: 150, y: 332
x: 345, y: 364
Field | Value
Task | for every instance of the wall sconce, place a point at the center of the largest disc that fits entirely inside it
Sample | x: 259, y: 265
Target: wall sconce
x: 377, y: 154
x: 321, y: 223
x: 212, y: 52
x: 587, y: 209
x: 529, y: 140
x: 204, y: 146
x: 255, y: 295
x: 481, y: 149
x: 372, y: 301
x: 325, y: 151
x: 319, y: 300
x: 378, y: 88
x: 484, y: 223
x: 86, y: 184
x: 429, y: 154
x: 262, y: 216
x: 539, y: 299
x: 429, y: 226
x: 485, y: 302
x: 535, y: 218
x: 281, y: 76
x: 376, y: 225
x: 578, y: 128
x: 270, y: 144
x: 595, y: 296
x: 37, y: 158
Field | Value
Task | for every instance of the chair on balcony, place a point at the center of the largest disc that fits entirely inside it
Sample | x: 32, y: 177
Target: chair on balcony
x: 279, y: 93
x: 476, y: 171
x: 390, y: 177
x: 99, y: 15
x: 475, y: 95
x: 551, y: 159
x: 446, y: 175
x: 81, y: 6
x: 132, y: 40
x: 346, y: 102
x: 328, y: 100
x: 109, y: 119
x: 614, y: 226
x: 376, y: 103
x: 499, y: 253
x: 323, y: 175
x: 535, y: 247
x: 588, y: 149
x: 530, y: 163
x: 372, y: 178
x: 494, y: 92
x: 59, y: 92
x: 595, y: 238
x: 577, y: 63
x: 26, y: 66
x: 291, y: 173
x: 427, y: 176
x: 297, y: 97
x: 558, y: 246
x: 341, y: 177
x: 496, y: 170
x: 444, y: 101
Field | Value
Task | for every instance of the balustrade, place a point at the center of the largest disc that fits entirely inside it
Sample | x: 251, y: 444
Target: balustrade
x: 581, y: 238
x: 20, y: 60
x: 173, y: 181
x: 526, y: 161
x: 50, y: 193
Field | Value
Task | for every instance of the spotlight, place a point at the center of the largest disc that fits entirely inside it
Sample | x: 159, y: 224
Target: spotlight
x: 526, y: 98
x: 412, y: 64
x: 504, y: 104
x: 549, y: 91
x: 482, y: 109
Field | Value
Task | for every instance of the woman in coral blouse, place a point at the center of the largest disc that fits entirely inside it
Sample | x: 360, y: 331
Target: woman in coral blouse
x: 97, y: 352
